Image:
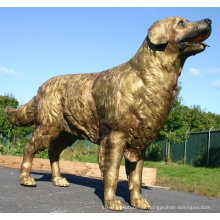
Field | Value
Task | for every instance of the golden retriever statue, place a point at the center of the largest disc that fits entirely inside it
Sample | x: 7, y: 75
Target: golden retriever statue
x: 122, y: 109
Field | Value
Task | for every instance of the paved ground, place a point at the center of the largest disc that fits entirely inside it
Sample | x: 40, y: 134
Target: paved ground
x: 86, y: 195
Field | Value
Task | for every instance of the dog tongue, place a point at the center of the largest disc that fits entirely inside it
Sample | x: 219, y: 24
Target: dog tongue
x: 201, y: 38
x: 198, y: 39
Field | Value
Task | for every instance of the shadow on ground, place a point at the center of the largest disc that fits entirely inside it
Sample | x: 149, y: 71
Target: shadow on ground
x: 122, y: 189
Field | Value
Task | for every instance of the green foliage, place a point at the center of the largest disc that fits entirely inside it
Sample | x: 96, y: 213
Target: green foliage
x: 155, y: 153
x: 183, y: 119
x: 11, y: 149
x: 17, y: 136
x: 198, y: 161
x: 42, y: 154
x: 199, y: 120
x: 176, y: 127
x: 199, y: 180
x: 180, y: 162
x: 80, y: 150
x: 8, y: 100
x: 6, y: 128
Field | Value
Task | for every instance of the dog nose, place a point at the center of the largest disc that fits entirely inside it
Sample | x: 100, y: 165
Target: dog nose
x: 208, y: 21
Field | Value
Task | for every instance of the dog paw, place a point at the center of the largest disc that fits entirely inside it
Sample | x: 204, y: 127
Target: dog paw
x: 60, y: 181
x: 114, y: 205
x: 27, y: 181
x: 140, y: 203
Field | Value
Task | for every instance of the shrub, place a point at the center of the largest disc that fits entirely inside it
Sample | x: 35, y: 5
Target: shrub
x: 78, y: 150
x: 199, y: 161
x: 155, y: 153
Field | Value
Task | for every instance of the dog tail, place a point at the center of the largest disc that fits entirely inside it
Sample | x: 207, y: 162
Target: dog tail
x: 23, y: 116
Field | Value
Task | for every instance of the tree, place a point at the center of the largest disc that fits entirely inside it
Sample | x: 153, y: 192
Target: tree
x: 199, y: 120
x: 176, y: 126
x: 183, y: 119
x: 6, y: 128
x: 215, y: 118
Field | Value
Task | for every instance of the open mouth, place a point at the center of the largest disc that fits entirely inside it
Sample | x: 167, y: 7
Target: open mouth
x: 195, y: 41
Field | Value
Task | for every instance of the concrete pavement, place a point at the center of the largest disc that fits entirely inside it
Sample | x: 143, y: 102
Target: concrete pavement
x: 86, y: 195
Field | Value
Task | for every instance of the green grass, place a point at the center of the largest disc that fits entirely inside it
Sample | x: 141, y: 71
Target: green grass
x: 198, y: 180
x: 91, y: 158
x: 80, y: 152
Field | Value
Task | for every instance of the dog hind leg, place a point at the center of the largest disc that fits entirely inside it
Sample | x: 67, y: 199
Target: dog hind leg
x: 54, y: 152
x: 40, y: 140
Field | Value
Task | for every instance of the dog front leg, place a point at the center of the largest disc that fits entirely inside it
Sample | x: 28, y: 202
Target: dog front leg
x: 114, y: 149
x: 134, y: 173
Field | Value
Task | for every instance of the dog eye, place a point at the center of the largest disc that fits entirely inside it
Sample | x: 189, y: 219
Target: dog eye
x: 181, y: 23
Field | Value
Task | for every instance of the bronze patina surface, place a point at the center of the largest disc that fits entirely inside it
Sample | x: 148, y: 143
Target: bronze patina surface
x: 122, y: 109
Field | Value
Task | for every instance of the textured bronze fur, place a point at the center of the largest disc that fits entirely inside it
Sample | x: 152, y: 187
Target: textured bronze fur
x: 121, y: 109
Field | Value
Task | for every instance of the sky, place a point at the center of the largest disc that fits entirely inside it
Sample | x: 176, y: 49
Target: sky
x: 39, y: 43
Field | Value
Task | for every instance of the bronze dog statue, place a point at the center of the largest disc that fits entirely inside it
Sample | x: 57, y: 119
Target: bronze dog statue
x: 121, y: 109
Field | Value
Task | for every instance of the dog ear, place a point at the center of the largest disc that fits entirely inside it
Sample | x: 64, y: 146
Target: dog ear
x: 159, y: 32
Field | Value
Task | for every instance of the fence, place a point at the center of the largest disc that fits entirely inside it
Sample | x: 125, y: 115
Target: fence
x: 200, y: 148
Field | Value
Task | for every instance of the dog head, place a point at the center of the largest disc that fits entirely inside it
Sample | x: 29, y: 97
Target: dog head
x: 179, y: 34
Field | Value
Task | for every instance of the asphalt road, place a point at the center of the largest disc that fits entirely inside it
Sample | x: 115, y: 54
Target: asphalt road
x: 86, y: 195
